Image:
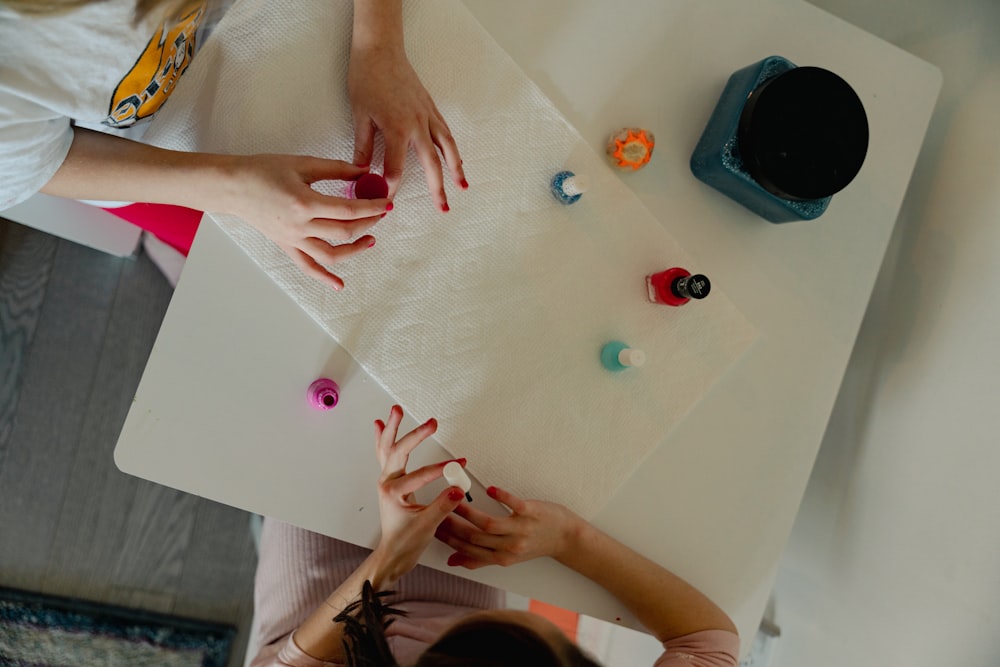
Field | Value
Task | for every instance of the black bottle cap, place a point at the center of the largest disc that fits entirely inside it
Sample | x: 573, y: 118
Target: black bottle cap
x: 803, y: 134
x: 691, y: 287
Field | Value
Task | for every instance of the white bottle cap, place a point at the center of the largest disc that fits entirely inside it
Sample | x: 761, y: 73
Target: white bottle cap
x: 630, y: 357
x: 576, y: 185
x: 455, y: 475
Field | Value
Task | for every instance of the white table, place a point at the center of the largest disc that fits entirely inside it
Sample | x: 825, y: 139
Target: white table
x: 220, y: 411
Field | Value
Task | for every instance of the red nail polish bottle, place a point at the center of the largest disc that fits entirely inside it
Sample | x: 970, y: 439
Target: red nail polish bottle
x: 368, y: 186
x: 676, y: 286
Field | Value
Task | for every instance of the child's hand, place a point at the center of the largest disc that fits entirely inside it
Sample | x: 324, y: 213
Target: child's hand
x: 534, y: 529
x: 387, y: 95
x: 273, y: 193
x: 407, y: 527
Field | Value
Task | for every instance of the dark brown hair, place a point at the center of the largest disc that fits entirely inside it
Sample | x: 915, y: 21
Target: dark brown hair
x: 475, y: 644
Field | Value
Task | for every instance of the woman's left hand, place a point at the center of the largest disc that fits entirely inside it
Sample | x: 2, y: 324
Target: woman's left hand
x: 387, y: 96
x: 407, y: 527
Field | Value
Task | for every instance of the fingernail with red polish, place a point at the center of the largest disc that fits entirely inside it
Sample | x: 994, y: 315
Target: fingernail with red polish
x: 492, y: 492
x: 383, y: 215
x: 388, y: 207
x: 371, y: 243
x: 431, y: 422
x: 362, y: 166
x: 445, y: 208
x: 461, y: 462
x: 453, y: 560
x: 465, y: 184
x: 455, y: 495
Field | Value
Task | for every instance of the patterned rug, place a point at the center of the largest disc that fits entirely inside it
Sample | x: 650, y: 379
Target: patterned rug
x: 45, y: 631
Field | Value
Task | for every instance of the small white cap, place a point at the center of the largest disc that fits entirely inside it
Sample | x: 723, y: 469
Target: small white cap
x: 630, y: 357
x: 455, y: 475
x: 576, y: 185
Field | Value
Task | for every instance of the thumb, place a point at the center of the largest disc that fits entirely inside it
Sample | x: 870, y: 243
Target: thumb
x: 446, y: 502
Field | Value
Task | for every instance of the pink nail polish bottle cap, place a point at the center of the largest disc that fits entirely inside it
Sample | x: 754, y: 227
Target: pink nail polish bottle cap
x: 323, y: 394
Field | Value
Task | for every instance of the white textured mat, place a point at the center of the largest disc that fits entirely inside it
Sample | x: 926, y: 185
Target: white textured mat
x: 490, y: 318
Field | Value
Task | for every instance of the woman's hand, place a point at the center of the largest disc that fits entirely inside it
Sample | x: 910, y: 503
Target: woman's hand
x: 273, y: 193
x: 535, y: 528
x: 387, y: 95
x: 407, y: 527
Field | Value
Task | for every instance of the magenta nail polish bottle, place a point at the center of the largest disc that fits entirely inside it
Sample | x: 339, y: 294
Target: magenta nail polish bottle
x: 323, y: 394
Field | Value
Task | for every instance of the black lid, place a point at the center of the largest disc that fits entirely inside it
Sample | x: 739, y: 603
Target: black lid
x: 803, y: 134
x: 691, y: 287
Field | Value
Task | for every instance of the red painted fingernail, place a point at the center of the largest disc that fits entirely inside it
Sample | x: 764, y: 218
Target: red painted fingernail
x: 362, y: 166
x: 445, y: 208
x: 454, y: 560
x: 465, y: 184
x: 455, y: 495
x: 492, y: 492
x: 431, y: 422
x: 461, y: 462
x: 388, y: 207
x: 371, y: 243
x: 383, y: 215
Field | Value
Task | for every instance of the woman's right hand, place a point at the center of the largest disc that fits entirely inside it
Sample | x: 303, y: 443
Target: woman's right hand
x: 407, y: 526
x: 535, y: 528
x: 274, y: 194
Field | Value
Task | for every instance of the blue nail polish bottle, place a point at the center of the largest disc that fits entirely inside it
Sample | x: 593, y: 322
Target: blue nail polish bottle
x: 567, y: 187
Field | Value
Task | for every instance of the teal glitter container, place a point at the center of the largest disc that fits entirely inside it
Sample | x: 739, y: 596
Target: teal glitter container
x: 782, y: 140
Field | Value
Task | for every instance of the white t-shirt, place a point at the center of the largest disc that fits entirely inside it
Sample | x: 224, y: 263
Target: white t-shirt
x: 91, y: 67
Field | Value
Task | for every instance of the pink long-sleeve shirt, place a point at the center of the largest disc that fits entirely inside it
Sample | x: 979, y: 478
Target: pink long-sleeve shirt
x: 298, y: 569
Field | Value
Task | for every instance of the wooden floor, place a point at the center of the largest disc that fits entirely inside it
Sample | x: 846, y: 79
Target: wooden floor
x: 76, y: 328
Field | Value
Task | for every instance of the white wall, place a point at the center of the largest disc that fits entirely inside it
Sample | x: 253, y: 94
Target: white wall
x: 895, y: 554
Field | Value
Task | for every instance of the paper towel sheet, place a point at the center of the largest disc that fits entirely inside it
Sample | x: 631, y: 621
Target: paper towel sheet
x: 490, y: 318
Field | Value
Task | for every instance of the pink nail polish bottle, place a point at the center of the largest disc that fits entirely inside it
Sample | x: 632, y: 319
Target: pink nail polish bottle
x: 368, y: 186
x: 676, y: 286
x: 323, y: 394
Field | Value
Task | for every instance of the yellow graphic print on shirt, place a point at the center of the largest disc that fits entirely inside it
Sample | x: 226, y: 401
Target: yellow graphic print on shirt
x: 151, y: 80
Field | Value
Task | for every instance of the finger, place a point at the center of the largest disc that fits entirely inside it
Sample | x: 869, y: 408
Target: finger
x: 417, y: 479
x: 454, y: 526
x: 312, y: 268
x: 405, y: 445
x: 324, y: 253
x: 395, y: 157
x: 313, y: 169
x: 327, y: 207
x: 487, y: 556
x: 340, y: 230
x: 364, y: 141
x: 461, y: 560
x: 516, y: 504
x: 387, y: 438
x: 446, y: 142
x: 443, y: 505
x: 484, y: 522
x: 469, y: 534
x: 428, y: 156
